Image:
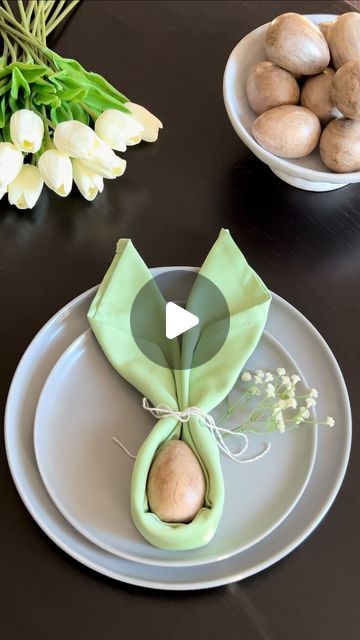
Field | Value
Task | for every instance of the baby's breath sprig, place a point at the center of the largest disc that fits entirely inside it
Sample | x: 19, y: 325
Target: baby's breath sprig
x: 280, y: 406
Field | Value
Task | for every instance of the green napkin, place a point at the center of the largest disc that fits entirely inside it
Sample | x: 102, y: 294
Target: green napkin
x: 205, y: 386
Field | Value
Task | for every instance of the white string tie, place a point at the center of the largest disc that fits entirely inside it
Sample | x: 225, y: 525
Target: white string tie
x: 164, y: 411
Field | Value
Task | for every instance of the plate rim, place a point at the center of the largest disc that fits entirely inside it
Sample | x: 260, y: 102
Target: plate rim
x: 70, y: 308
x: 78, y: 344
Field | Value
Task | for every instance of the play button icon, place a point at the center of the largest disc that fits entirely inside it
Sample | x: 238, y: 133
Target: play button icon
x: 178, y: 320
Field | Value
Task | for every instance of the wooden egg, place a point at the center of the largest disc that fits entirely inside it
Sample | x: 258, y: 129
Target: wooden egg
x: 316, y: 96
x: 344, y: 39
x: 268, y: 86
x: 345, y: 92
x: 324, y: 28
x: 340, y: 145
x: 297, y: 45
x: 176, y: 483
x: 287, y: 131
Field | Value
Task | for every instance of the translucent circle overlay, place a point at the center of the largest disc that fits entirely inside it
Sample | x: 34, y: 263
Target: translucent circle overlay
x: 196, y: 294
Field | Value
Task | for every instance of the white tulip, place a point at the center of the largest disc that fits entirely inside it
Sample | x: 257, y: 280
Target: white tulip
x: 26, y: 130
x: 118, y: 129
x: 11, y: 161
x: 151, y: 124
x: 25, y: 190
x: 88, y: 182
x: 106, y: 163
x: 56, y: 170
x: 76, y: 139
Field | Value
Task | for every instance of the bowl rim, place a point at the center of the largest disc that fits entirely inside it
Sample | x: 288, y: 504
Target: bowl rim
x: 281, y: 164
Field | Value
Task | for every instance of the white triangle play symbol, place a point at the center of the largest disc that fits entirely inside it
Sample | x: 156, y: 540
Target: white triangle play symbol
x: 178, y: 320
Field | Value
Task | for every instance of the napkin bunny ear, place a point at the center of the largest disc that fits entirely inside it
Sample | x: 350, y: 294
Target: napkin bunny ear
x: 109, y: 317
x: 248, y: 302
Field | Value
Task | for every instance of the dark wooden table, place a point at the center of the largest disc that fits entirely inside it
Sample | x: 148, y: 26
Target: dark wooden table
x: 172, y: 202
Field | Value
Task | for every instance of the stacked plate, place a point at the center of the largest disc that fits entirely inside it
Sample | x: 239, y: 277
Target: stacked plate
x: 65, y: 405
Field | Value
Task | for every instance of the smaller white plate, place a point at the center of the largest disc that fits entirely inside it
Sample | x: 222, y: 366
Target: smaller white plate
x: 85, y: 402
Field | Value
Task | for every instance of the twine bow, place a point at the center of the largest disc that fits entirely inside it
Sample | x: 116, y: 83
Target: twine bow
x: 206, y: 420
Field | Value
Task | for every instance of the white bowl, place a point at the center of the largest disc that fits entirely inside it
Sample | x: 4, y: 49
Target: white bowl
x: 307, y: 173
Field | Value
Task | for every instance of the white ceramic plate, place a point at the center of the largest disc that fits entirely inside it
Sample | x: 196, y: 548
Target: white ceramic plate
x: 318, y: 365
x: 85, y: 403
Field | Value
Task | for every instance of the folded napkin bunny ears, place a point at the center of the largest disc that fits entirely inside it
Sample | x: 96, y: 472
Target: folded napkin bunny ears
x: 204, y: 386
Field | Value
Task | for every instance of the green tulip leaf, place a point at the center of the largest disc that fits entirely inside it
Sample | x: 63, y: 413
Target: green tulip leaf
x: 72, y: 95
x: 99, y: 101
x: 19, y: 84
x: 69, y: 111
x: 42, y: 96
x: 6, y: 131
x: 5, y: 88
x: 78, y: 113
x: 3, y: 112
x: 32, y: 72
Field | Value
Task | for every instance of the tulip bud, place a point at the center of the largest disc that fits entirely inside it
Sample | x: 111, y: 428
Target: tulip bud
x: 106, y: 163
x: 88, y: 182
x: 26, y: 130
x: 56, y: 170
x: 11, y: 161
x: 151, y: 124
x: 76, y: 139
x: 25, y: 190
x: 118, y: 129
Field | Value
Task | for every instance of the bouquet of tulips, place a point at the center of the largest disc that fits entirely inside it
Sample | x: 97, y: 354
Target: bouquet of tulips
x: 59, y: 123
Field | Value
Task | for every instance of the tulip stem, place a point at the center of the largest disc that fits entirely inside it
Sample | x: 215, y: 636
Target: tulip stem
x: 46, y: 128
x: 56, y: 12
x: 29, y: 11
x: 23, y: 15
x: 54, y: 23
x: 48, y: 8
x: 8, y: 43
x: 93, y: 115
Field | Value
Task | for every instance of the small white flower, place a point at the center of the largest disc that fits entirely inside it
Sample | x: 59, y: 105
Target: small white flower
x: 246, y: 376
x: 270, y: 390
x: 147, y: 120
x: 260, y: 373
x: 254, y: 391
x: 295, y: 379
x: 26, y: 130
x: 56, y: 170
x: 330, y: 421
x: 25, y: 190
x: 88, y: 182
x: 118, y: 129
x: 11, y: 161
x: 310, y: 402
x: 302, y: 410
x: 286, y: 381
x: 290, y: 392
x: 268, y: 377
x: 291, y: 403
x: 281, y: 371
x: 280, y: 422
x: 282, y: 404
x: 306, y: 414
x: 313, y: 393
x: 258, y: 379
